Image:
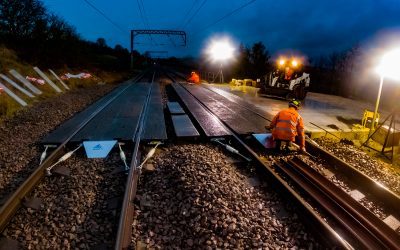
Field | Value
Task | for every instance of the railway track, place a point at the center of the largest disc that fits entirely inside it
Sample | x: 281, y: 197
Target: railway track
x: 359, y: 227
x: 331, y: 213
x: 22, y: 196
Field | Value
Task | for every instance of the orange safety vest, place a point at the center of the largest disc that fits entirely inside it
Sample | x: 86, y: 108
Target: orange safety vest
x: 288, y: 124
x: 194, y: 78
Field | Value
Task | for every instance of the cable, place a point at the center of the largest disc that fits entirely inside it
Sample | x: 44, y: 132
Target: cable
x: 195, y: 13
x: 105, y: 16
x: 145, y: 21
x: 188, y: 12
x: 225, y: 16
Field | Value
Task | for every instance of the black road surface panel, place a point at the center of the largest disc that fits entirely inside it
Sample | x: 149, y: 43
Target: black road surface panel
x: 240, y: 119
x: 119, y: 120
x: 66, y: 129
x: 184, y: 127
x: 207, y: 122
x: 155, y: 123
x: 175, y: 109
x: 239, y: 100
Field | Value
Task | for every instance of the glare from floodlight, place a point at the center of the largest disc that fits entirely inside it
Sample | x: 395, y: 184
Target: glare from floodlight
x: 389, y: 66
x: 221, y: 50
x: 281, y: 62
x: 295, y: 63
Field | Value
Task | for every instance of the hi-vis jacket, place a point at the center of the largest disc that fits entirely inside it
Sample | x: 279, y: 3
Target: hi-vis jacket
x: 288, y: 124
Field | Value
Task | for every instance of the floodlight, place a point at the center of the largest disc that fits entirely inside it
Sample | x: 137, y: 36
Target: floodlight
x: 221, y: 50
x: 389, y: 66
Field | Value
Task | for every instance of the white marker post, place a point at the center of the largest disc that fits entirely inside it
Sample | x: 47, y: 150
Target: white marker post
x: 15, y: 85
x: 59, y: 79
x: 27, y: 84
x: 14, y: 96
x: 51, y: 83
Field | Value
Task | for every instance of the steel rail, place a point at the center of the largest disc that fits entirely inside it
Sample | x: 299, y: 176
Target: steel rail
x: 373, y: 227
x: 363, y: 182
x: 14, y: 202
x: 124, y: 234
x: 378, y: 227
x: 325, y: 231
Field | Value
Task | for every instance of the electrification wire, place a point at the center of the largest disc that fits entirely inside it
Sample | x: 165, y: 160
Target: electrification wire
x: 225, y: 16
x: 106, y: 17
x: 195, y: 13
x: 188, y: 12
x: 142, y: 16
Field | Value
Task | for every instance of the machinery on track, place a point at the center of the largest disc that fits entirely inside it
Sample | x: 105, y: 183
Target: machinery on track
x: 288, y: 80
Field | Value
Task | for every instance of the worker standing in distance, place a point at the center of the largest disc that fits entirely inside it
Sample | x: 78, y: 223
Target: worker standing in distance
x: 286, y: 125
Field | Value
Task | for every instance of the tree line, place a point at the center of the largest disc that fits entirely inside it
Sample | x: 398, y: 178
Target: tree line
x: 43, y: 38
x: 330, y: 74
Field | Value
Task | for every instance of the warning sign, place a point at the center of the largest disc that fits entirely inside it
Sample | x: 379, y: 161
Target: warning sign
x: 98, y: 149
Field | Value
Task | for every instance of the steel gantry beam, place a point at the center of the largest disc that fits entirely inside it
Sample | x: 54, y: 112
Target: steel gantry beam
x: 134, y: 33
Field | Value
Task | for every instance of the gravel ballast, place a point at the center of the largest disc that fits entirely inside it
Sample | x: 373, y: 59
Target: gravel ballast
x: 77, y: 211
x: 371, y: 167
x: 197, y: 198
x: 20, y: 135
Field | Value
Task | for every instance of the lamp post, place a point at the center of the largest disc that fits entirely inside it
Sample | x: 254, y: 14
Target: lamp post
x: 378, y: 98
x: 220, y: 51
x: 388, y: 67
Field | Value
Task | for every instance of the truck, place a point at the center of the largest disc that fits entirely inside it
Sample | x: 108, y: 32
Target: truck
x: 288, y: 80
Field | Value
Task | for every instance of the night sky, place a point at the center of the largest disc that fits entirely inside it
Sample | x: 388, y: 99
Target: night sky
x: 313, y: 27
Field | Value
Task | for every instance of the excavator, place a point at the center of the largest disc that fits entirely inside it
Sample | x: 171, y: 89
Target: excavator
x: 288, y: 80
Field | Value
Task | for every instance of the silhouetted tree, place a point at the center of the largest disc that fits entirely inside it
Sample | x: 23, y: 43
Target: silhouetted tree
x: 252, y: 63
x: 43, y: 38
x: 259, y: 57
x: 101, y: 42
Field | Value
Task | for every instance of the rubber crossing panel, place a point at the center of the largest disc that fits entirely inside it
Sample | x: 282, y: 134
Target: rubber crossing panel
x: 155, y: 128
x: 210, y: 126
x: 240, y: 119
x: 119, y: 120
x: 242, y: 102
x: 65, y: 130
x: 184, y: 127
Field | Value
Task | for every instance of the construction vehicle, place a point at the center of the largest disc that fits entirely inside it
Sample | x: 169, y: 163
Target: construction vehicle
x: 288, y: 80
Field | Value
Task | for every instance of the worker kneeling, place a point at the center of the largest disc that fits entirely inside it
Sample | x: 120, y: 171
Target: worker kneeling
x: 286, y: 125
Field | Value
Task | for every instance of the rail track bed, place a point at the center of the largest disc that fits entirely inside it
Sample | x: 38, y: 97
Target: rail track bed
x: 77, y: 212
x: 197, y: 196
x: 20, y: 135
x: 209, y: 185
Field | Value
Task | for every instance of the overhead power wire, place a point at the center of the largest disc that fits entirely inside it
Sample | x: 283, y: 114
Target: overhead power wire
x: 195, y: 13
x: 225, y: 16
x: 106, y: 17
x: 188, y: 12
x: 144, y: 18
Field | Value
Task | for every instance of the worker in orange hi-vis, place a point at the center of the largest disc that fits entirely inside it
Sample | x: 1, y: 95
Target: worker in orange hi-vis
x: 194, y: 78
x: 286, y: 125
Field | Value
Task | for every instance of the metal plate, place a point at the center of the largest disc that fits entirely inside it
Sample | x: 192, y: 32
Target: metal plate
x: 175, y: 109
x: 207, y: 122
x: 183, y: 126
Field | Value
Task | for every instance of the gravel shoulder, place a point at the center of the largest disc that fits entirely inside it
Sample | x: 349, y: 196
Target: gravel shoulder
x: 21, y: 134
x: 197, y: 198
